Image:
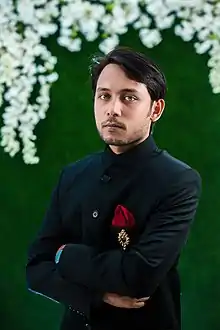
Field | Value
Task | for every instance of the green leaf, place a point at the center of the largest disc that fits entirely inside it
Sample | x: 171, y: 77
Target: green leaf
x: 74, y: 33
x: 104, y: 35
x: 213, y: 36
x: 110, y: 6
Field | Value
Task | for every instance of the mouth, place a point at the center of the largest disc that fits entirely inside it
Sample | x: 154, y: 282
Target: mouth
x: 113, y: 126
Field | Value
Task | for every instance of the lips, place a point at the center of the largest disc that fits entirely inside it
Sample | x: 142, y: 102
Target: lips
x: 113, y: 125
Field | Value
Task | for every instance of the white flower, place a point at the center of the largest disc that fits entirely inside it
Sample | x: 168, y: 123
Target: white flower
x: 154, y: 7
x: 10, y: 144
x: 75, y: 45
x: 89, y: 28
x: 144, y: 21
x: 1, y: 94
x: 185, y: 31
x: 65, y: 32
x: 46, y: 29
x: 8, y: 68
x: 214, y: 79
x: 183, y: 13
x: 26, y: 11
x: 92, y: 11
x: 52, y: 77
x: 91, y: 35
x: 214, y: 64
x: 203, y: 47
x: 109, y: 43
x: 217, y: 9
x: 112, y: 26
x: 150, y: 38
x: 63, y: 41
x: 129, y: 12
x: 198, y: 22
x: 164, y: 22
x: 203, y: 34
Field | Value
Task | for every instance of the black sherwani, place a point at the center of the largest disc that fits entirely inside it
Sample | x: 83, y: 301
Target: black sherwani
x: 161, y: 193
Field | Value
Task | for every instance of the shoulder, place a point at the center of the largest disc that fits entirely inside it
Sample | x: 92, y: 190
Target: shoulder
x: 78, y: 168
x: 170, y: 171
x: 83, y: 163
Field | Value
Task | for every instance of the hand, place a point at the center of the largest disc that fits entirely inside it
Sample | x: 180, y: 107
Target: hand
x: 124, y: 301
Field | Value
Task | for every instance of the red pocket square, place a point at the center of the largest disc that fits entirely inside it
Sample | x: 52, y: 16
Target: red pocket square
x: 123, y: 218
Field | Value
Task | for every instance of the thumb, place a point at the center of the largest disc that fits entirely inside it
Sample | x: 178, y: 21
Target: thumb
x: 139, y: 304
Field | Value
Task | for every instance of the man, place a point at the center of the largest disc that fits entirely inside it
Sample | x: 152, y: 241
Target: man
x: 111, y: 239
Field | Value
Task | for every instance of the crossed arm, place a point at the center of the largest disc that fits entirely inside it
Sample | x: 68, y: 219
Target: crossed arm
x: 138, y: 271
x: 81, y: 272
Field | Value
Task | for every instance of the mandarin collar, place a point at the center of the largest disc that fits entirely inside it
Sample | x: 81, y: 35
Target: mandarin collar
x: 131, y: 157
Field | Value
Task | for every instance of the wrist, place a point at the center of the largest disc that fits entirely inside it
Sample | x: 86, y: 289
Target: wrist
x: 59, y: 252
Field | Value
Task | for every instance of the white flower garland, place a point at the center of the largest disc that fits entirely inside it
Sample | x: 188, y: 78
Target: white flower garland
x: 27, y: 67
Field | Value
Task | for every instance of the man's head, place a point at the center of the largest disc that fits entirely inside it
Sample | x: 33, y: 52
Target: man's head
x: 129, y: 92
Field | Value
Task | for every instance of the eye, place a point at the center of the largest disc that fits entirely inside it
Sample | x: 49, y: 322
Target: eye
x: 104, y: 96
x: 130, y: 98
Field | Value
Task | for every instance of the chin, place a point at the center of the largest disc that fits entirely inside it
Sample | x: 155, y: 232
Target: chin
x: 114, y: 141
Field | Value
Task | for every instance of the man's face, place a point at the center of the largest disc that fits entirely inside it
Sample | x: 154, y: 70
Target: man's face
x: 123, y: 109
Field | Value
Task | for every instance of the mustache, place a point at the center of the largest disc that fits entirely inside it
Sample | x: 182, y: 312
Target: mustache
x: 113, y: 123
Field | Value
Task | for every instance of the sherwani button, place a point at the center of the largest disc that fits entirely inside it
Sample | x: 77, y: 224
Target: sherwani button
x: 95, y: 214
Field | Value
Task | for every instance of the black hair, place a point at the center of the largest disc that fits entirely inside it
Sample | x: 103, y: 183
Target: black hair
x: 136, y: 66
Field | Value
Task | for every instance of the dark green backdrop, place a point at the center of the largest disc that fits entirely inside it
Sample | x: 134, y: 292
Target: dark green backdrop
x: 189, y: 129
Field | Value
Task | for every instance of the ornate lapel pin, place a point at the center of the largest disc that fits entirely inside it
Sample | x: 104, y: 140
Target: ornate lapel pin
x: 123, y: 239
x: 123, y: 220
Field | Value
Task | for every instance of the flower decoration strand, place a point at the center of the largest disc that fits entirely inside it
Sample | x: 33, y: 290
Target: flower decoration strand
x: 27, y: 67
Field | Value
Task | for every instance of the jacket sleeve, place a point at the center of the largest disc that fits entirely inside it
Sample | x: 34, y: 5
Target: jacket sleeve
x: 42, y: 275
x: 139, y: 270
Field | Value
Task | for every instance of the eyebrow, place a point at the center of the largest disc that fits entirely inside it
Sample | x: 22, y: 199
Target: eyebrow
x: 127, y: 90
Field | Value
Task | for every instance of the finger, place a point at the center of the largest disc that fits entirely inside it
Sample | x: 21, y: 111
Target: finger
x: 138, y: 304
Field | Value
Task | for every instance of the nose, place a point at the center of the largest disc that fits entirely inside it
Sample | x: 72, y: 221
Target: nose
x: 114, y: 108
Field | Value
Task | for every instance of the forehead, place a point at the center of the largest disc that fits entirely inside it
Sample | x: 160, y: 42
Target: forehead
x: 114, y: 78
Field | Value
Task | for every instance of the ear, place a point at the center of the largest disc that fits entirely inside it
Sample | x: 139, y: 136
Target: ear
x: 157, y: 110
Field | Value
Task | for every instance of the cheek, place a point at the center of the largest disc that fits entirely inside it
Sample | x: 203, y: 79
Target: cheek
x: 99, y: 109
x: 137, y: 116
x: 96, y: 108
x: 98, y: 114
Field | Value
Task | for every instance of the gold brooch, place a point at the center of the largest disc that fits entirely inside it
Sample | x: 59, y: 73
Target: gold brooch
x: 123, y: 239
